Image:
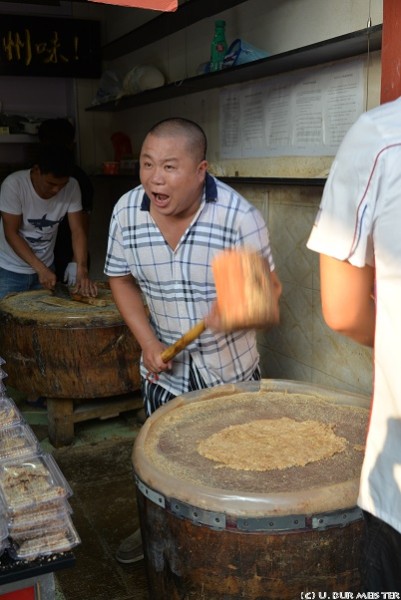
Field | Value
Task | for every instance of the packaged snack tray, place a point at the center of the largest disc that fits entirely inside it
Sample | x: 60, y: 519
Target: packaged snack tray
x: 9, y: 413
x: 29, y: 546
x: 3, y: 527
x: 4, y: 543
x: 29, y: 481
x: 38, y: 516
x: 3, y: 533
x: 3, y: 375
x: 62, y: 524
x: 17, y: 440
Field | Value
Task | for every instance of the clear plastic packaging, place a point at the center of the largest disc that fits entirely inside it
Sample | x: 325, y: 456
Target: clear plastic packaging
x: 3, y: 508
x: 38, y: 516
x: 3, y: 375
x: 16, y: 441
x: 9, y: 413
x: 58, y: 525
x: 30, y: 545
x: 3, y: 527
x: 4, y: 543
x: 30, y: 481
x: 3, y: 533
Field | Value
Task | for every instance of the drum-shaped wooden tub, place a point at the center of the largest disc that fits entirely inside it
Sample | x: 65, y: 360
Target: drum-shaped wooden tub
x: 61, y: 348
x: 229, y: 510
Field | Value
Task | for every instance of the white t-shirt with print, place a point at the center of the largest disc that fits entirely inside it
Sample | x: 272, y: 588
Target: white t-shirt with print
x: 40, y: 218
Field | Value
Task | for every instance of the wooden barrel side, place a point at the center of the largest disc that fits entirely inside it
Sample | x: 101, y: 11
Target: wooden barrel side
x: 57, y: 362
x: 221, y: 531
x: 185, y: 560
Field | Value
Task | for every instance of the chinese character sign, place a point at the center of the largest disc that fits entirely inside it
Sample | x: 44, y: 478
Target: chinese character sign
x: 49, y: 47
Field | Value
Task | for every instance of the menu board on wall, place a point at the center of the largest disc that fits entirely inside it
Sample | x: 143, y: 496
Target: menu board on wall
x: 49, y: 47
x: 304, y: 113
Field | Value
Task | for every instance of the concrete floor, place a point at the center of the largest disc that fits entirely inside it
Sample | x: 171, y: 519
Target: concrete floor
x: 98, y: 468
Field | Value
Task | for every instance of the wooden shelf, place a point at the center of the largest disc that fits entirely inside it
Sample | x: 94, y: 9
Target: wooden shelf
x: 164, y: 25
x: 18, y: 138
x: 341, y: 47
x: 298, y: 181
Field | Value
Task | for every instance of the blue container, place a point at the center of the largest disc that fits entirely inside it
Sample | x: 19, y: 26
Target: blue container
x: 240, y: 53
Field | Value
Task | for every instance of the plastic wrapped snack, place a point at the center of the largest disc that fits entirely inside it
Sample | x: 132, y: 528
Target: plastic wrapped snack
x: 30, y: 481
x: 3, y: 374
x: 31, y: 544
x: 62, y: 523
x: 4, y: 543
x: 3, y: 532
x: 16, y: 441
x: 46, y: 514
x: 9, y: 413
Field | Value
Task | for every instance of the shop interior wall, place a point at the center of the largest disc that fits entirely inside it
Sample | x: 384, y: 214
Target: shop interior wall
x: 270, y: 25
x: 302, y: 347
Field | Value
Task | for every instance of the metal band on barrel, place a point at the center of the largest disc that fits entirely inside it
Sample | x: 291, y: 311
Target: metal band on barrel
x: 218, y: 520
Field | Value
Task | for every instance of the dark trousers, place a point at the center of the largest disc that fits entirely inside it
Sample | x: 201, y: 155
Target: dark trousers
x: 155, y: 396
x: 381, y: 557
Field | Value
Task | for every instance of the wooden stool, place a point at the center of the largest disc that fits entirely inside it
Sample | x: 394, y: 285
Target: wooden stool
x: 63, y: 413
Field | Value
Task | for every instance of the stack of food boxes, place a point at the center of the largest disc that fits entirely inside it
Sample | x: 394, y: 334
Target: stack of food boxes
x: 35, y: 515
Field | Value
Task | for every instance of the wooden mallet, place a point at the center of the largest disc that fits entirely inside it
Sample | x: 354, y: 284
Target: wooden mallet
x: 244, y: 297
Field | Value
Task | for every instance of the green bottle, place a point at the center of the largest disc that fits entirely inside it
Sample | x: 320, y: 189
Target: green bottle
x: 218, y: 47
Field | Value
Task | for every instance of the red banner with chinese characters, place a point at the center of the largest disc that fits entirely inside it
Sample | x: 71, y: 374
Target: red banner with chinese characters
x: 163, y: 5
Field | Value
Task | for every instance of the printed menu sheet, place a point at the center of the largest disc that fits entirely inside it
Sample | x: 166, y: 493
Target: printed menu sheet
x: 304, y: 113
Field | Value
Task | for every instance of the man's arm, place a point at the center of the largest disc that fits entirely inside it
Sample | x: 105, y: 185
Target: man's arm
x: 80, y: 249
x: 347, y: 302
x: 12, y: 224
x: 128, y: 299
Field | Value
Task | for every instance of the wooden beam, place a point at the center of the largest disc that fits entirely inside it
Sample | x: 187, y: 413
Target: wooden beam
x: 391, y: 51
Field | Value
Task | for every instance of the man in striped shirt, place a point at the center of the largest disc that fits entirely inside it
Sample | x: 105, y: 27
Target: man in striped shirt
x: 163, y: 236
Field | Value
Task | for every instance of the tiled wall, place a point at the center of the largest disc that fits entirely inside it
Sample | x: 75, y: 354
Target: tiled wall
x: 303, y: 347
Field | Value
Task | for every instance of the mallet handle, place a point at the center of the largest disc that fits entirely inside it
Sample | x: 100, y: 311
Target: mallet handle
x: 188, y: 337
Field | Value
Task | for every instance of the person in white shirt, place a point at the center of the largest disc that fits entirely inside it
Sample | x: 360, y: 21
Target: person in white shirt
x: 357, y: 233
x: 32, y: 203
x: 62, y: 131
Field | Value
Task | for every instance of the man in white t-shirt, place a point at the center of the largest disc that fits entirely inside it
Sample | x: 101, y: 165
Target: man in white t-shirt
x: 357, y: 233
x: 32, y: 203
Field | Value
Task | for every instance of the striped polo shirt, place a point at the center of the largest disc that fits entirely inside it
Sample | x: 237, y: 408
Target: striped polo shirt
x: 178, y: 286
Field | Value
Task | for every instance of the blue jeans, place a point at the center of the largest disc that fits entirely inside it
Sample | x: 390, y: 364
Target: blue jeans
x: 17, y: 282
x: 381, y: 557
